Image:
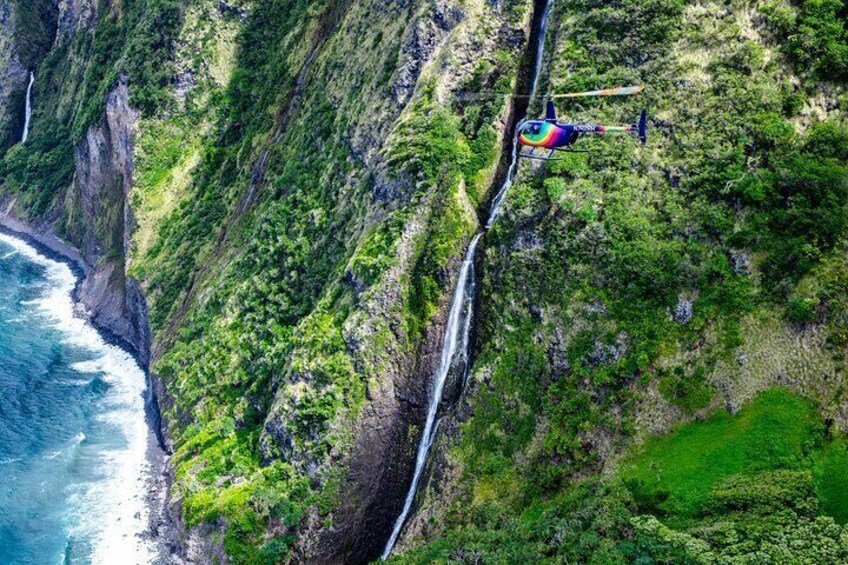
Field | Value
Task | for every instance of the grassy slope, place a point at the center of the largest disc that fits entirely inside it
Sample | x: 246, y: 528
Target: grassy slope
x: 580, y: 355
x: 775, y: 431
x: 735, y: 483
x: 831, y: 467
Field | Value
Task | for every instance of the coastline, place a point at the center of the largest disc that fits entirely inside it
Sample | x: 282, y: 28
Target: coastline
x: 156, y: 456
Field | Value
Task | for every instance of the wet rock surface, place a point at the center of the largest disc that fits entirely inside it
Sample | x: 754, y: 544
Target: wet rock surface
x: 683, y: 311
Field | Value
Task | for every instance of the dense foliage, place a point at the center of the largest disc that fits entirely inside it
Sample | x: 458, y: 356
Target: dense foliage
x: 264, y: 373
x: 34, y: 29
x: 813, y: 34
x: 132, y: 42
x: 728, y: 490
x: 623, y: 289
x: 301, y: 210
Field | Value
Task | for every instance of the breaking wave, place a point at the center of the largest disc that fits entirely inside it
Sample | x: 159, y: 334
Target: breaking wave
x: 107, y: 514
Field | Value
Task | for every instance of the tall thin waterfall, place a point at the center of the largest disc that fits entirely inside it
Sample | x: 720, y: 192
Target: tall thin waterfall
x: 455, y: 333
x: 28, y: 109
x: 461, y: 311
x: 498, y: 200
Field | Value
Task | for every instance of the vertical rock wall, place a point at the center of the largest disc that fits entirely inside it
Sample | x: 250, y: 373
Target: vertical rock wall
x: 99, y: 222
x: 13, y: 77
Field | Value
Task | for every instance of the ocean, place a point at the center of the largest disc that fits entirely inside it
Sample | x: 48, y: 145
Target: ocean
x: 74, y: 471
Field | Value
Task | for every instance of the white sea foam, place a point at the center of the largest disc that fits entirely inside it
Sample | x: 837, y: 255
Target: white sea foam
x: 70, y: 382
x: 86, y: 367
x: 112, y: 512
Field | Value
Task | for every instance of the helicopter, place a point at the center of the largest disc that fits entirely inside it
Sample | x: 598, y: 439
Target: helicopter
x: 551, y: 135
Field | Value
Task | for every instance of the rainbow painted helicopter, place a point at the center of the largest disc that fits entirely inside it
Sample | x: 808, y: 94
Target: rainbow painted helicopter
x: 551, y: 135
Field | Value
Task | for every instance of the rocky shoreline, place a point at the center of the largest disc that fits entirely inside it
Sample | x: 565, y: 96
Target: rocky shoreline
x: 161, y: 529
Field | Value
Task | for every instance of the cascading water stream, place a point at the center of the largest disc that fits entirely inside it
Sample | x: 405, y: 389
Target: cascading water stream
x: 459, y: 320
x: 28, y: 108
x: 498, y: 200
x: 457, y: 326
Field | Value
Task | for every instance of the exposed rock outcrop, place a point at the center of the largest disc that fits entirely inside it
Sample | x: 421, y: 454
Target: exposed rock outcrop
x: 99, y: 221
x: 420, y: 44
x: 683, y: 310
x: 375, y: 467
x: 13, y: 77
x: 75, y: 15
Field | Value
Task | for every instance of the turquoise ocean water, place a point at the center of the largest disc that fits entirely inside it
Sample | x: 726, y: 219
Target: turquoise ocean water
x: 73, y: 435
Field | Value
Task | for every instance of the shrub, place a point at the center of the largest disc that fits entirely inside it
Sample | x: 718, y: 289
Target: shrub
x: 814, y: 35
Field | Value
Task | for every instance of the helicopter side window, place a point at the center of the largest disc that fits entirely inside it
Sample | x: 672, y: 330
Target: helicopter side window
x: 533, y: 129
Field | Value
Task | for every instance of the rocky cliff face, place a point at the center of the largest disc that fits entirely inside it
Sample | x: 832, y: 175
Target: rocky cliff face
x: 94, y: 214
x: 13, y: 81
x: 98, y: 220
x: 75, y: 15
x: 261, y: 171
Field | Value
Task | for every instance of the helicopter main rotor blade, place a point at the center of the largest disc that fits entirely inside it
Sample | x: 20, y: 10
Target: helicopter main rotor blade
x: 617, y: 91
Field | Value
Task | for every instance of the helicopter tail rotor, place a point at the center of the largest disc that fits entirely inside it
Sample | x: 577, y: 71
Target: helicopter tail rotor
x: 642, y: 127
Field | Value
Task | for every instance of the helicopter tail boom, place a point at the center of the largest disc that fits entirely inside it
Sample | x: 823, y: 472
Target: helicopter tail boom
x: 581, y: 128
x: 640, y: 128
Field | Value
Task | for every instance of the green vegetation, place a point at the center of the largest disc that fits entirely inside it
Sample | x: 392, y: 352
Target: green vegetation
x: 431, y: 147
x: 725, y: 490
x: 587, y: 524
x: 132, y: 41
x: 689, y: 392
x: 616, y: 285
x: 302, y: 203
x: 187, y: 235
x: 39, y: 169
x: 776, y: 431
x: 264, y: 262
x: 34, y: 29
x: 760, y: 480
x: 797, y: 199
x: 814, y: 35
x: 770, y: 516
x: 251, y: 201
x: 831, y: 472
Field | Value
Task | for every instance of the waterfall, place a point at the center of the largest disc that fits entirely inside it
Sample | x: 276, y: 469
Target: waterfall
x: 455, y: 333
x: 28, y: 109
x: 498, y: 200
x: 462, y: 307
